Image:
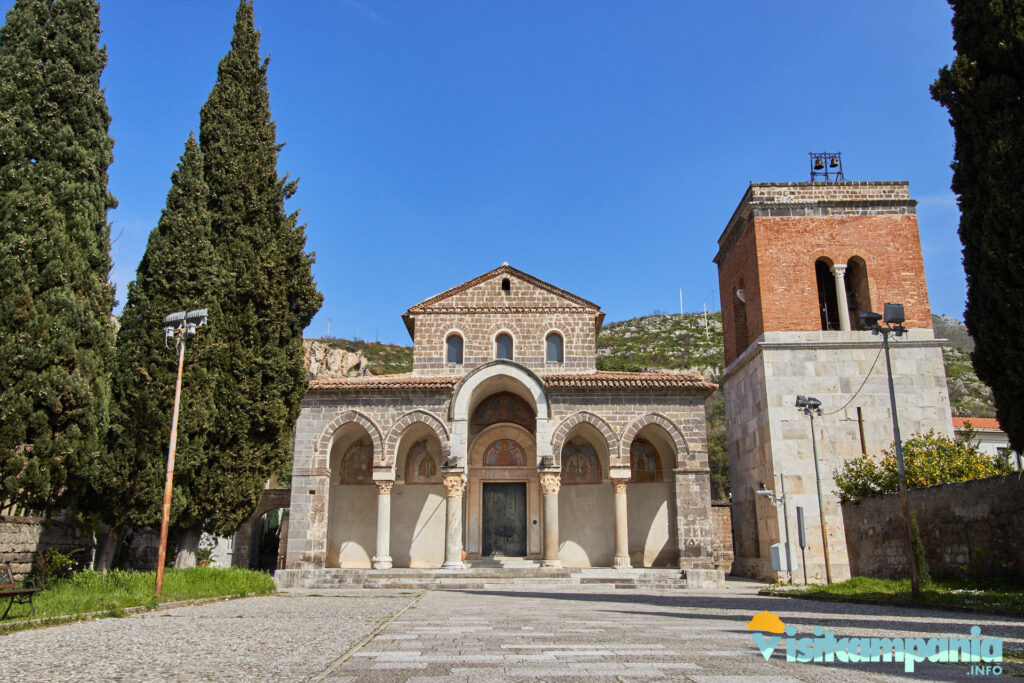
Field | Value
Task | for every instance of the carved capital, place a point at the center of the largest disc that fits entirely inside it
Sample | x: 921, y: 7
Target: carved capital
x: 619, y: 485
x: 550, y: 482
x: 453, y: 485
x: 384, y: 487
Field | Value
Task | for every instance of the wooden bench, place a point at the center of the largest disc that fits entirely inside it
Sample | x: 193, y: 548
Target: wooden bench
x: 20, y: 595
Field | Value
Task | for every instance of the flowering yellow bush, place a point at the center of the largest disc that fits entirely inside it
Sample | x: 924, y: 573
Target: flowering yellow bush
x: 928, y: 459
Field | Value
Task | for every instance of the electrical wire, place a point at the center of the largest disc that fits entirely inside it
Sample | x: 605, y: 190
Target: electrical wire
x: 866, y: 378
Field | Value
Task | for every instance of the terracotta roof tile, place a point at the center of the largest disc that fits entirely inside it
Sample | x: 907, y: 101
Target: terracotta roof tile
x: 630, y: 380
x: 977, y: 422
x: 377, y: 382
x: 594, y: 380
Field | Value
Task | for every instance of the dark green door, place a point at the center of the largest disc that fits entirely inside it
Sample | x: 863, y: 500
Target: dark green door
x: 504, y: 522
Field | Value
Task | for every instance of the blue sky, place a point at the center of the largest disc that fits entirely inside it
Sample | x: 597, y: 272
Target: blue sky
x: 601, y: 146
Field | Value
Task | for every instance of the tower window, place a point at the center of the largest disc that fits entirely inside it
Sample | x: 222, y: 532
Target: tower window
x: 506, y: 286
x: 827, y: 301
x: 554, y: 348
x: 453, y: 349
x: 503, y: 346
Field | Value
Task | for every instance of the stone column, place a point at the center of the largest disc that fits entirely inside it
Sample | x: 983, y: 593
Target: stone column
x: 621, y: 526
x: 382, y: 560
x: 454, y: 485
x: 550, y: 482
x: 844, y: 306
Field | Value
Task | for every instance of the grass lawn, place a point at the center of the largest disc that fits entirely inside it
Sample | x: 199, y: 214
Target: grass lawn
x: 951, y: 593
x: 89, y: 591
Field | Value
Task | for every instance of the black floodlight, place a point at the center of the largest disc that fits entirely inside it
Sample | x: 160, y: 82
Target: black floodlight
x: 807, y: 402
x: 870, y: 319
x: 894, y: 314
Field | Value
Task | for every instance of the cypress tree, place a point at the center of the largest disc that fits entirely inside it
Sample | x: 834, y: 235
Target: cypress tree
x: 268, y: 296
x: 56, y: 333
x: 178, y: 271
x: 983, y: 89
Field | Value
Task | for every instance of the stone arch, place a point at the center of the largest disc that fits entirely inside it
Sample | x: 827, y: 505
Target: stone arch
x: 569, y: 423
x: 323, y: 442
x: 406, y: 421
x: 660, y: 420
x: 463, y: 394
x: 270, y: 499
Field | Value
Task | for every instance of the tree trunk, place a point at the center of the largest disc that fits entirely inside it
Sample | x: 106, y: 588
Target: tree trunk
x: 187, y: 547
x: 105, y: 554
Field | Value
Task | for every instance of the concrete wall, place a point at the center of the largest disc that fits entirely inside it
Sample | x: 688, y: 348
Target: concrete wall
x: 768, y: 436
x: 22, y: 537
x: 973, y: 529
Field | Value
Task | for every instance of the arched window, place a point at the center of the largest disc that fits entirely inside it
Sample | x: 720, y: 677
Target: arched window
x: 554, y: 348
x: 857, y: 295
x: 506, y: 286
x: 453, y: 349
x: 739, y: 319
x: 503, y: 346
x: 827, y: 305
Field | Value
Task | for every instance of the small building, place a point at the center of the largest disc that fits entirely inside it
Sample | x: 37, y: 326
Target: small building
x: 504, y: 441
x: 989, y: 436
x: 797, y: 263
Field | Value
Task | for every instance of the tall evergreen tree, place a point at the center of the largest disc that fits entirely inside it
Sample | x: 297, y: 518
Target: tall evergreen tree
x: 268, y: 296
x: 983, y: 89
x: 179, y: 271
x: 56, y: 334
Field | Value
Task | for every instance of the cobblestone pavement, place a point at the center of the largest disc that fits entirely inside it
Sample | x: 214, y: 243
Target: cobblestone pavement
x: 527, y: 634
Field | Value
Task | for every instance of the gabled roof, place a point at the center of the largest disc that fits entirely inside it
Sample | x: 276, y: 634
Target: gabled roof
x: 571, y: 299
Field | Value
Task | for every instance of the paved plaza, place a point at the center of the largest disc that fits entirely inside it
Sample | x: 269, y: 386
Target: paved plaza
x: 526, y: 633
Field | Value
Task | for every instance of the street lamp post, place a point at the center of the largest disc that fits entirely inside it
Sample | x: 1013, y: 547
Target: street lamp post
x: 811, y: 406
x: 176, y: 326
x: 893, y: 318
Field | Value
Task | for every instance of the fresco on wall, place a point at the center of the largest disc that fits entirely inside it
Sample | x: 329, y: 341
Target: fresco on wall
x: 505, y: 407
x: 357, y: 464
x: 420, y: 466
x: 504, y: 453
x: 644, y: 461
x: 580, y: 464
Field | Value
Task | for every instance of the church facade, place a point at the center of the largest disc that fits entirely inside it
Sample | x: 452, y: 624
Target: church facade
x: 503, y: 441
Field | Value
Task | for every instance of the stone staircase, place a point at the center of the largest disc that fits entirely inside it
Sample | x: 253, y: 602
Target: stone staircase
x: 511, y: 574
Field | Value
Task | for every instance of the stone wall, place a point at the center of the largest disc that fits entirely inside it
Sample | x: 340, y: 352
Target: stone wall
x: 768, y: 437
x: 969, y: 529
x: 527, y: 312
x: 22, y: 537
x: 721, y: 524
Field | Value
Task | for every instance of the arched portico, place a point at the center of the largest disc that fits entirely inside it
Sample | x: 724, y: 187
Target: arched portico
x: 492, y: 377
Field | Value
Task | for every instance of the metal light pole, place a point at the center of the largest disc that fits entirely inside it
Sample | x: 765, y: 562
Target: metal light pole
x: 810, y: 406
x: 893, y: 319
x: 177, y: 326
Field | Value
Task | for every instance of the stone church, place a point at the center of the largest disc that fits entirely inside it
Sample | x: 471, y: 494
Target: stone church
x: 504, y: 441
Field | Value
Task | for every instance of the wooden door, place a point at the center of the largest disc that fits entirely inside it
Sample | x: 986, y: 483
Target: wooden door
x: 504, y: 519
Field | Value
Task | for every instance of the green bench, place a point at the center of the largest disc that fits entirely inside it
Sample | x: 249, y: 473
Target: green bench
x: 8, y: 589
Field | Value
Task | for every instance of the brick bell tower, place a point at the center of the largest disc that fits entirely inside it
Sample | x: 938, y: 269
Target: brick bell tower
x: 797, y: 262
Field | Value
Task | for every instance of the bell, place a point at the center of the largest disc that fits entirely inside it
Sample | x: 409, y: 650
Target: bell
x: 834, y: 163
x: 818, y: 165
